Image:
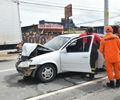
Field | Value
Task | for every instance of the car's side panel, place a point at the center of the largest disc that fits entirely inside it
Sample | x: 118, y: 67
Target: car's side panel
x: 78, y: 62
x: 52, y: 57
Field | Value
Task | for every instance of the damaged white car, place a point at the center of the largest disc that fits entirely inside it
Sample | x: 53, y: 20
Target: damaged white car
x: 61, y: 54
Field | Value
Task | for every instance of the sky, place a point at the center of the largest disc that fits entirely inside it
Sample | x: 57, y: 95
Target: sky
x: 85, y: 12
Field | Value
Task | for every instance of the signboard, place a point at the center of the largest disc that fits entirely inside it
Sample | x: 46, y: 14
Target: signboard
x: 68, y: 11
x: 50, y: 26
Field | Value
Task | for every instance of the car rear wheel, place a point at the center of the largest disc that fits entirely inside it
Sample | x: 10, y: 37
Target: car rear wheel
x: 46, y: 73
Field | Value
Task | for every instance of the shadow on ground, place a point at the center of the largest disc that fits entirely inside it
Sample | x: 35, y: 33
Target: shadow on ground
x: 5, y: 60
x: 16, y: 80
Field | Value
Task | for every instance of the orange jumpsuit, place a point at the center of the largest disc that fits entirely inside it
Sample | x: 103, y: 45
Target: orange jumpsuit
x: 110, y: 48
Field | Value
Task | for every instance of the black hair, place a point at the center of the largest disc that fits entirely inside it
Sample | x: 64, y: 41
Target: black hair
x: 90, y: 30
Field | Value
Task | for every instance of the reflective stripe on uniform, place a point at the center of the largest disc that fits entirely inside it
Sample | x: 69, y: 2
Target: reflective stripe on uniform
x: 112, y: 38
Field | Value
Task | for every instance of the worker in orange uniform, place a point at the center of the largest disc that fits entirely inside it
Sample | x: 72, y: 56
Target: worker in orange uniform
x: 110, y: 48
x: 95, y: 46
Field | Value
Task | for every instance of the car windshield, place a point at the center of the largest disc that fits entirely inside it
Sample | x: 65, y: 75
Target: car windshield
x: 57, y: 42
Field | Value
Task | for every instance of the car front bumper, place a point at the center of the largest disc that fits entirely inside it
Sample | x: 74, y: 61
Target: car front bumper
x: 25, y: 71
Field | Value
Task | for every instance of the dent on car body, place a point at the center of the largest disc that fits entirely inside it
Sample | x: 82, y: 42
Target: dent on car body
x: 31, y: 50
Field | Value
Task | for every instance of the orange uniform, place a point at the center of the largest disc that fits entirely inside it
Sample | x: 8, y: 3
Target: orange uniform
x: 110, y: 48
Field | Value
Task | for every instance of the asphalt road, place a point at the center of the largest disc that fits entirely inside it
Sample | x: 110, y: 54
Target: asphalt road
x: 14, y: 87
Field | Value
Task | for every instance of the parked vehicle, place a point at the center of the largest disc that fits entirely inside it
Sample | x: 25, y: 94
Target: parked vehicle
x: 61, y: 54
x: 10, y: 30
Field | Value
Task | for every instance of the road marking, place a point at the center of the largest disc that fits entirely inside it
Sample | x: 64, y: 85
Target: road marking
x: 65, y: 89
x: 6, y: 70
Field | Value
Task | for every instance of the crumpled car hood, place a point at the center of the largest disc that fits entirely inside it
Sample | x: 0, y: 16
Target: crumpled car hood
x: 28, y: 48
x: 33, y: 49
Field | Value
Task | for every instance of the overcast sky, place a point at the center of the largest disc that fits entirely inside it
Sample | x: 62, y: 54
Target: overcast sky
x: 85, y: 12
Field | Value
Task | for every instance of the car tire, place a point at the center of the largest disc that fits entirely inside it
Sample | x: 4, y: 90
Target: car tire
x: 16, y: 65
x: 46, y: 73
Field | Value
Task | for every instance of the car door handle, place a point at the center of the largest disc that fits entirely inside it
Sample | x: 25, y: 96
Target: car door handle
x: 84, y: 57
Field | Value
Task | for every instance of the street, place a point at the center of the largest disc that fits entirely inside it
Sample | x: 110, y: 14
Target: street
x: 67, y: 45
x: 14, y: 87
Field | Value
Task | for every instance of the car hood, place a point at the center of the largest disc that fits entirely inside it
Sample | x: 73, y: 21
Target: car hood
x: 29, y: 48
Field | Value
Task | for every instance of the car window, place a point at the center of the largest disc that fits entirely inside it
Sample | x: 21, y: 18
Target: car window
x: 80, y: 45
x: 57, y: 42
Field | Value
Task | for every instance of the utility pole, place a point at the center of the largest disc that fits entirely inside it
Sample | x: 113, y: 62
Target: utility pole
x: 18, y: 9
x: 106, y: 13
x: 18, y: 3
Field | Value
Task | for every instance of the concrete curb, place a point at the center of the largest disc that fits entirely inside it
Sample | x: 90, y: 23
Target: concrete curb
x: 4, y: 57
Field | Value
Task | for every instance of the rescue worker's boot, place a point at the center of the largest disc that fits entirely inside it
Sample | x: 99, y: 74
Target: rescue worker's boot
x: 111, y: 84
x: 118, y: 83
x: 91, y: 76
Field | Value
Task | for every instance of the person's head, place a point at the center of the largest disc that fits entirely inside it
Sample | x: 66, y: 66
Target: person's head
x: 89, y: 30
x: 108, y: 29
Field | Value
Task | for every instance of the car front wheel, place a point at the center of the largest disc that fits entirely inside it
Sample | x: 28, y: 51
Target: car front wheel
x: 46, y: 73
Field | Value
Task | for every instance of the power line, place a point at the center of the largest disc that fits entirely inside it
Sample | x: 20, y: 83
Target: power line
x: 50, y: 5
x: 96, y: 20
x: 59, y: 6
x: 97, y: 9
x: 73, y: 8
x: 65, y: 4
x: 40, y: 4
x: 62, y: 7
x: 87, y: 22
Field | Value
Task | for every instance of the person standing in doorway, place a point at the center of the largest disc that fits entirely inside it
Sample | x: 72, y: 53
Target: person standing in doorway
x: 95, y: 47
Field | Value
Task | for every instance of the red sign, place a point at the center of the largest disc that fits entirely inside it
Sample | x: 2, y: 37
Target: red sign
x: 50, y: 26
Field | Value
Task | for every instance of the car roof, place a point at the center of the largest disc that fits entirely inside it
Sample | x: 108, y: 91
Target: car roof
x: 76, y: 35
x: 70, y: 35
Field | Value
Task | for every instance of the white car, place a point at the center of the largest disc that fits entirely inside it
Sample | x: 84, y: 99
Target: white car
x: 61, y: 54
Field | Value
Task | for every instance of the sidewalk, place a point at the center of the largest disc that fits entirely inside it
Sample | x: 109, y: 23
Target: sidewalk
x: 4, y: 56
x: 101, y: 93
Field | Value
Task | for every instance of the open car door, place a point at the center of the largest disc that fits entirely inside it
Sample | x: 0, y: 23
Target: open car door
x: 76, y: 55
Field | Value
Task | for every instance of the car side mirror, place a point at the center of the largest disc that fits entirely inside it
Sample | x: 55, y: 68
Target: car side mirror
x: 64, y: 50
